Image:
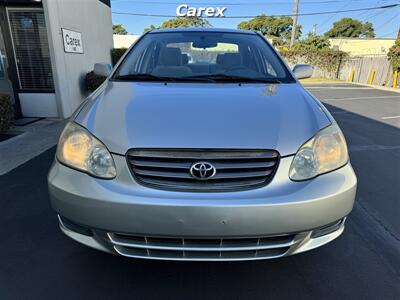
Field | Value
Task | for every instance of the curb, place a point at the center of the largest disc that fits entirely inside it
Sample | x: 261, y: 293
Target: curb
x: 378, y: 87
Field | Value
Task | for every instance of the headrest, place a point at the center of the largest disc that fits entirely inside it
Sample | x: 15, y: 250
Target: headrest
x: 185, y: 59
x: 220, y: 58
x: 231, y: 59
x: 170, y: 57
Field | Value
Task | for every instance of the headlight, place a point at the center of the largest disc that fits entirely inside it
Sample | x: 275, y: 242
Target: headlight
x: 325, y: 152
x: 78, y: 149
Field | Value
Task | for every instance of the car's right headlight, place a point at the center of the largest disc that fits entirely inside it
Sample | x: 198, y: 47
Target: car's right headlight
x: 325, y: 152
x: 79, y: 149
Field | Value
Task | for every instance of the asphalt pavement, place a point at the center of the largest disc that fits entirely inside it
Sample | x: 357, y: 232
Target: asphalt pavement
x: 38, y: 262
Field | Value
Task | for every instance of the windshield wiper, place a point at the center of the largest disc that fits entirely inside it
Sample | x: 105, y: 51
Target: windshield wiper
x: 143, y: 77
x: 151, y: 77
x: 234, y: 78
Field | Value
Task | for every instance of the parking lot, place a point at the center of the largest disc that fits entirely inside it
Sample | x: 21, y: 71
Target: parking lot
x: 38, y: 262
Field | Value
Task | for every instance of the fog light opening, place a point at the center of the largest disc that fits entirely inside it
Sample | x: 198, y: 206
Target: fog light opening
x: 327, y: 229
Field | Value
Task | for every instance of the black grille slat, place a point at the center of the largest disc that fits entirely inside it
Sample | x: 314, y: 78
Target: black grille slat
x: 206, y: 153
x: 170, y: 168
x: 186, y: 175
x: 188, y: 184
x: 186, y: 165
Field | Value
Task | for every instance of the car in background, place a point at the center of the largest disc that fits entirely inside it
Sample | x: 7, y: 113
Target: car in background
x: 202, y: 145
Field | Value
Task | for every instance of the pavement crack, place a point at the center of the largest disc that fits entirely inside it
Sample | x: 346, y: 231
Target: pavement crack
x: 377, y: 220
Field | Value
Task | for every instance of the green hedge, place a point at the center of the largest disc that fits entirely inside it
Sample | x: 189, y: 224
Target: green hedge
x: 6, y: 113
x: 394, y: 55
x: 93, y: 81
x: 327, y: 59
x: 116, y: 54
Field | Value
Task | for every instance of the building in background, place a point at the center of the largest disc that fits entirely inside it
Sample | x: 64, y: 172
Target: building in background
x: 124, y: 40
x: 47, y: 47
x: 363, y: 47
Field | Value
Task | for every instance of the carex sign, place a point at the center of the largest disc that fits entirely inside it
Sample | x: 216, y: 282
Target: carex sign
x: 185, y: 10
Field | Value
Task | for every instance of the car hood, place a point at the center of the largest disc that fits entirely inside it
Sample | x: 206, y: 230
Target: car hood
x: 128, y: 115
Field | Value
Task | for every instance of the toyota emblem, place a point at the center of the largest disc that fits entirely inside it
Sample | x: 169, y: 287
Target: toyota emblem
x: 202, y: 170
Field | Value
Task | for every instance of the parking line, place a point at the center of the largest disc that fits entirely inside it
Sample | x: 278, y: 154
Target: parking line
x: 338, y: 88
x: 361, y: 98
x: 390, y: 117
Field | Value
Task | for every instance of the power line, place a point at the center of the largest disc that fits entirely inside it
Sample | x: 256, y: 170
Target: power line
x: 387, y: 22
x: 249, y: 17
x: 331, y: 17
x: 390, y: 33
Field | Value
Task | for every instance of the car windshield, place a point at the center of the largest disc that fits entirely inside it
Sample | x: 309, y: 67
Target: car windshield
x: 203, y: 56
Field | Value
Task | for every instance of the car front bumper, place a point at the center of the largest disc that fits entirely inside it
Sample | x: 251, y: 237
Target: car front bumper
x: 123, y: 217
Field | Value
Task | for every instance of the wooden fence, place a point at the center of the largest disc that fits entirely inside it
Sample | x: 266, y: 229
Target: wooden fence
x: 374, y: 70
x: 362, y: 67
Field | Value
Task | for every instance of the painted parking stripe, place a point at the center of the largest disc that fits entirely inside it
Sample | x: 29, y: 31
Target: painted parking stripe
x: 390, y: 117
x: 337, y: 88
x: 359, y: 148
x: 361, y: 98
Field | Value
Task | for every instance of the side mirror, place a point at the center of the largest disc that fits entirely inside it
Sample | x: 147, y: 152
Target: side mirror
x: 302, y: 71
x: 102, y: 69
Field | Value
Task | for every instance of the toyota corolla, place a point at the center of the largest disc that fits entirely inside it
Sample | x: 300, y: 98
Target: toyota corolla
x: 201, y: 144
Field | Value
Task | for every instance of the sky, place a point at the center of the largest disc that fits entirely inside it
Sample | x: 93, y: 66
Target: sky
x: 385, y: 21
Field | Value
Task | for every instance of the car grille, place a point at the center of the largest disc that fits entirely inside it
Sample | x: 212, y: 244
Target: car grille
x: 173, y: 248
x: 235, y: 169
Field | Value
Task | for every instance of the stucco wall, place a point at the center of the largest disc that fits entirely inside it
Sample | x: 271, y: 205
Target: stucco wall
x: 362, y: 47
x: 93, y: 19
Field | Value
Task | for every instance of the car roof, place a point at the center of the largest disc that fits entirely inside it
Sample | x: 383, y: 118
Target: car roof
x: 201, y: 29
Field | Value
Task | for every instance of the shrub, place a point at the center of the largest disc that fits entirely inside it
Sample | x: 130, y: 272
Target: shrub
x: 93, y: 81
x: 394, y: 55
x: 326, y: 59
x: 6, y: 113
x: 116, y: 54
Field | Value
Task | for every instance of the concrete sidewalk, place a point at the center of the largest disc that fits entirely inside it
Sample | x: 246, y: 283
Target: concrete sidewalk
x: 34, y: 140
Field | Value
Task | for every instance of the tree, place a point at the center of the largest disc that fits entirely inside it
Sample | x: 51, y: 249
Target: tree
x: 313, y: 42
x: 119, y: 29
x: 394, y: 55
x: 277, y: 28
x: 181, y: 22
x: 151, y: 27
x: 348, y: 27
x: 185, y: 22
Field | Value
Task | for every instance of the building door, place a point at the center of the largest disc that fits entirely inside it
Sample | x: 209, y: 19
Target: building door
x: 35, y: 86
x: 6, y: 86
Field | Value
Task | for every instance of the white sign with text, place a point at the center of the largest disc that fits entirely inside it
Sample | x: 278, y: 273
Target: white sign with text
x: 185, y: 10
x: 72, y: 41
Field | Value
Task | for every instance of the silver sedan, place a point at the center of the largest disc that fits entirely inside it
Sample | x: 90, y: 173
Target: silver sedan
x: 201, y: 144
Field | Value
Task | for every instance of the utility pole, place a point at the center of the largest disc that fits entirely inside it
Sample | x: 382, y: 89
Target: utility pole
x: 294, y: 26
x: 314, y: 29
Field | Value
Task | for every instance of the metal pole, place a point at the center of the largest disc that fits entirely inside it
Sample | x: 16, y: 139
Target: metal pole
x: 314, y: 29
x: 294, y: 27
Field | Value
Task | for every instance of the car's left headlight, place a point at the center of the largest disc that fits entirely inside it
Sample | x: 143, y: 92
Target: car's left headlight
x: 325, y: 152
x: 79, y: 149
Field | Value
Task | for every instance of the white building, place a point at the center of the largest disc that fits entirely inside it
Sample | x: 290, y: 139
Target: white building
x: 363, y: 46
x: 47, y: 47
x: 124, y: 40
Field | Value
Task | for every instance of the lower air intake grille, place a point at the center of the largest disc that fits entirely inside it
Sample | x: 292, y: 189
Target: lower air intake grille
x: 231, y: 169
x: 201, y: 249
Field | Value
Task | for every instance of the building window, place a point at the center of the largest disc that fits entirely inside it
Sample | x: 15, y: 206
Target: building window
x: 31, y: 49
